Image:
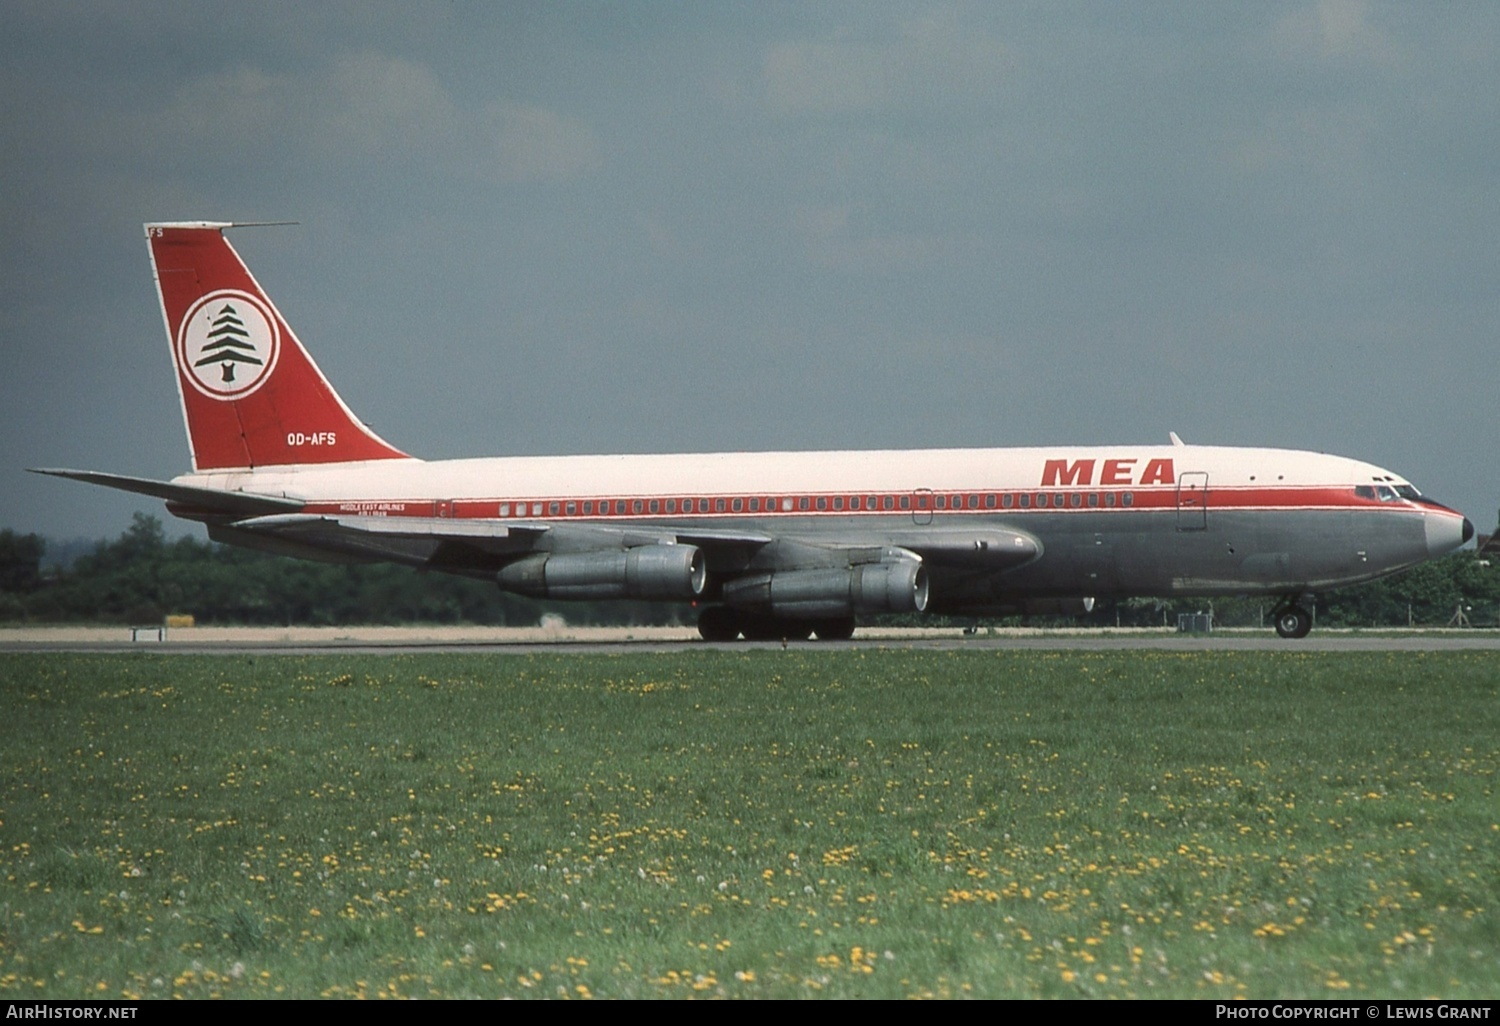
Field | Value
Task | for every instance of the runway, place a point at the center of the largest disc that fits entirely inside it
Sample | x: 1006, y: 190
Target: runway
x: 563, y: 639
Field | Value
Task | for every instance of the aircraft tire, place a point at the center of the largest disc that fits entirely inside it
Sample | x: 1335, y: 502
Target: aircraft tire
x: 1293, y: 622
x: 718, y: 623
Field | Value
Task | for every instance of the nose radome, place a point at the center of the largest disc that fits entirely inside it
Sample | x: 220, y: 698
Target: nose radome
x: 1446, y: 532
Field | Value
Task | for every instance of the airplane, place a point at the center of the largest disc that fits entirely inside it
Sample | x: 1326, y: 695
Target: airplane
x: 768, y: 545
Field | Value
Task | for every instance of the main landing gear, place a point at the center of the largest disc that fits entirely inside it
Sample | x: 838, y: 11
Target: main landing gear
x: 723, y: 623
x: 1292, y: 619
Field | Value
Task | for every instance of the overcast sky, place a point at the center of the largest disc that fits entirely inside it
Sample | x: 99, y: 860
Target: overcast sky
x: 541, y: 228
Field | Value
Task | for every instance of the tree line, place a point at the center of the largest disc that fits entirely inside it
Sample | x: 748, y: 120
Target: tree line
x: 141, y: 577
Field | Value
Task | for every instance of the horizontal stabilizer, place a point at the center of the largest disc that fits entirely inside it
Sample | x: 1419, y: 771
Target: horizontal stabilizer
x: 240, y: 504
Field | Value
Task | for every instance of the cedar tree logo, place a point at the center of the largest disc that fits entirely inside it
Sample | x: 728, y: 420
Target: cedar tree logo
x: 228, y: 344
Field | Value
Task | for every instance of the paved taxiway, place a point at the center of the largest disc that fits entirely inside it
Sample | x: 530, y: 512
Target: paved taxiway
x: 520, y: 640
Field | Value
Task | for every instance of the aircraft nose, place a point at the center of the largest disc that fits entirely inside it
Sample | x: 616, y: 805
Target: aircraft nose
x: 1446, y: 532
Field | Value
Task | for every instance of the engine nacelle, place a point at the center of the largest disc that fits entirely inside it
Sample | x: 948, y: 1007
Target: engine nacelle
x: 898, y: 587
x: 661, y: 572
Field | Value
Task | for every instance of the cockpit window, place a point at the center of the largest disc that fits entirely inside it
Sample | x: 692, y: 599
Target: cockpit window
x: 1386, y: 493
x: 1408, y: 492
x: 1364, y: 491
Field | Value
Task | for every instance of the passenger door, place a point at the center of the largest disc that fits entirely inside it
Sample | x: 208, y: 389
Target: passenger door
x: 1192, y: 500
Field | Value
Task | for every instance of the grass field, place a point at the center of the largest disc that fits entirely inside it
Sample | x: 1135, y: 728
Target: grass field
x: 765, y: 824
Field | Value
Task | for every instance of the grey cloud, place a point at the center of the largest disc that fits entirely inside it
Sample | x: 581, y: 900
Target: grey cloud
x: 932, y: 58
x: 528, y: 143
x: 1334, y: 29
x: 361, y: 108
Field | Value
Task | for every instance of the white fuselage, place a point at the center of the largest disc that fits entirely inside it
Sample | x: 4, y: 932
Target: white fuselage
x: 1148, y: 520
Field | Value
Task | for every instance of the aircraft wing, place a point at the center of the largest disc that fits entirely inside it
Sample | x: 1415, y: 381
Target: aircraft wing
x: 480, y: 545
x: 443, y: 543
x: 435, y: 542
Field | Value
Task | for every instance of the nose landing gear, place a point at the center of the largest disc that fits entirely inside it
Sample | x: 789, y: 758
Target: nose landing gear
x: 1292, y: 619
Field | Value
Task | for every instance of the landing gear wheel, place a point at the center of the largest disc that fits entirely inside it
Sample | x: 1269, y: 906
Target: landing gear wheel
x: 1293, y: 622
x: 718, y: 623
x: 834, y: 630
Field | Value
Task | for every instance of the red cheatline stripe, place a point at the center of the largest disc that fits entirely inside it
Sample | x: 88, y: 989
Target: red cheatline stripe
x: 939, y: 504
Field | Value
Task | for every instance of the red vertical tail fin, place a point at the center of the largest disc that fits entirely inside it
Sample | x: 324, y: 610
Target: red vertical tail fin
x: 251, y: 395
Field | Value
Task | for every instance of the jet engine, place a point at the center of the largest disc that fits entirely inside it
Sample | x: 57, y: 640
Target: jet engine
x: 664, y: 572
x: 897, y: 587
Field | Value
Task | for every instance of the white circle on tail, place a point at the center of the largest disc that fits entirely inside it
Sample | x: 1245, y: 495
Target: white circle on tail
x: 227, y: 344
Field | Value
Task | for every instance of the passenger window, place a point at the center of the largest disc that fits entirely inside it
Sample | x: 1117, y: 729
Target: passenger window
x: 755, y: 505
x: 786, y: 505
x: 572, y: 508
x: 536, y: 509
x: 989, y: 502
x: 1109, y: 499
x: 656, y: 505
x: 838, y: 502
x: 973, y: 502
x: 637, y: 506
x: 1128, y: 499
x: 1007, y: 500
x: 718, y: 505
x: 1057, y: 500
x: 802, y: 502
x: 1093, y: 499
x: 854, y: 502
x: 887, y: 502
x: 505, y: 509
x: 552, y: 509
x: 671, y: 506
x: 737, y: 505
x: 1025, y: 501
x: 1075, y: 500
x: 822, y: 502
x: 906, y: 502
